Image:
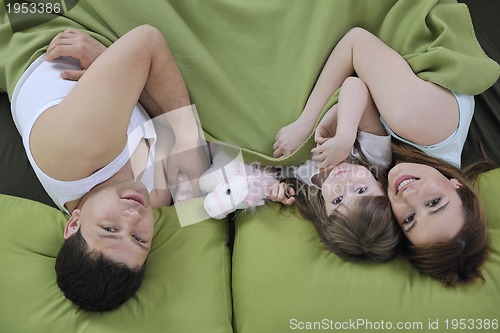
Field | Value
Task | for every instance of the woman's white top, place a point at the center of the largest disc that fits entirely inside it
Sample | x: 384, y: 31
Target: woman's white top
x: 450, y: 149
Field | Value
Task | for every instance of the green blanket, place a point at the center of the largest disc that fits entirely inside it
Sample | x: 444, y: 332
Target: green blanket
x: 250, y: 65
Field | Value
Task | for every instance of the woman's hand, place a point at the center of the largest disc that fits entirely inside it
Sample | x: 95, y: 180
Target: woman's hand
x: 75, y: 44
x: 290, y: 137
x: 281, y: 192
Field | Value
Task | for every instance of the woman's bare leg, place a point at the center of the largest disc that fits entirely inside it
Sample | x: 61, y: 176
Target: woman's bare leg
x: 417, y: 110
x: 406, y: 102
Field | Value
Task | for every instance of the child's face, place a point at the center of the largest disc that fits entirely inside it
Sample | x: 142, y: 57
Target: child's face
x: 345, y: 183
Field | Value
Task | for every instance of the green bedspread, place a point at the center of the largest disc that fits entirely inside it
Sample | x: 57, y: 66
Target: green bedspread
x: 250, y: 65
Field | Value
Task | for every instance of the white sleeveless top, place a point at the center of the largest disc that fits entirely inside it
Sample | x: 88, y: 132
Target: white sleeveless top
x: 450, y: 149
x: 41, y: 87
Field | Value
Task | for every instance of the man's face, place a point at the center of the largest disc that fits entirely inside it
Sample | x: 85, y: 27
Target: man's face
x: 118, y: 221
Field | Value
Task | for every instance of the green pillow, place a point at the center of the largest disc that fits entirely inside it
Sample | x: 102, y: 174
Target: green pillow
x: 284, y: 280
x: 186, y: 286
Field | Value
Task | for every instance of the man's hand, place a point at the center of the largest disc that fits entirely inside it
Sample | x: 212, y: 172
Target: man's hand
x: 187, y: 162
x: 75, y: 44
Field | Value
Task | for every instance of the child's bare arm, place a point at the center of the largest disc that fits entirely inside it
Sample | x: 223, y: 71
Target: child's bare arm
x: 370, y: 121
x: 356, y: 111
x: 327, y: 127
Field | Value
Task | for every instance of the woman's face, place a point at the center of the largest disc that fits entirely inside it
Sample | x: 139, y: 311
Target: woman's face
x: 117, y: 221
x: 425, y: 203
x: 345, y: 184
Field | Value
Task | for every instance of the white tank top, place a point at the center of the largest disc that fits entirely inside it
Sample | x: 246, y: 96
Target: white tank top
x: 41, y: 87
x: 450, y: 149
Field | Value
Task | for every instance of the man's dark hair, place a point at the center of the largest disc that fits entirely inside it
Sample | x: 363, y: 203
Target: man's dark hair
x: 92, y: 281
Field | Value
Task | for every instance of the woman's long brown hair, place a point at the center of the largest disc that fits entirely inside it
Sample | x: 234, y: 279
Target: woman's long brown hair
x: 459, y: 260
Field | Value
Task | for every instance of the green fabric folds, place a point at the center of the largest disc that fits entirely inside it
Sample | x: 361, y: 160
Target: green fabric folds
x: 250, y: 65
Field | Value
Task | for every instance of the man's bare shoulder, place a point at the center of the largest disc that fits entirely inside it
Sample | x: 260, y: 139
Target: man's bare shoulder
x: 62, y: 153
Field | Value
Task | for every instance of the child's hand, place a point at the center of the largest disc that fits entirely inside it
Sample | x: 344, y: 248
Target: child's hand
x: 332, y: 152
x: 281, y: 192
x: 290, y: 137
x: 327, y: 127
x: 75, y: 44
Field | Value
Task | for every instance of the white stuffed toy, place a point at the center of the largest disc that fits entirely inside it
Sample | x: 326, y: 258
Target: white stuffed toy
x: 230, y: 184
